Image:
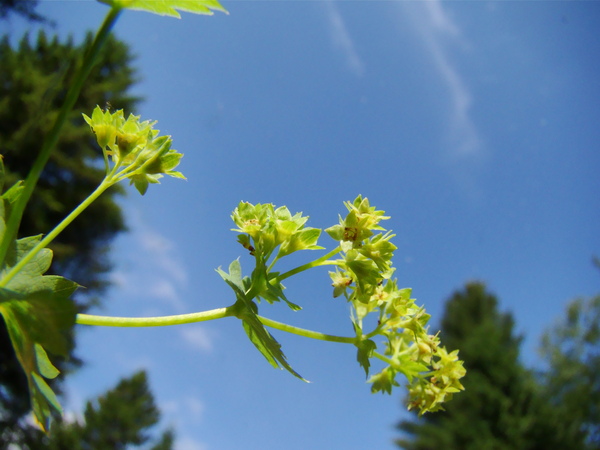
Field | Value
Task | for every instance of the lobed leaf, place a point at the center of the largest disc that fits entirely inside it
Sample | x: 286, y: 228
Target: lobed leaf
x: 38, y: 314
x: 266, y: 344
x: 364, y: 353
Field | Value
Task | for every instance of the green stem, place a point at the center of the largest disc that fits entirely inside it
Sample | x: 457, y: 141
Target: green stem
x: 306, y: 333
x: 56, y: 231
x: 384, y: 358
x: 82, y: 73
x: 317, y: 262
x: 104, y: 321
x: 213, y: 314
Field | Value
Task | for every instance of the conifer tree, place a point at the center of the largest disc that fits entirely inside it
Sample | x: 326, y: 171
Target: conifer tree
x: 119, y: 419
x: 572, y: 381
x: 502, y: 406
x: 34, y: 78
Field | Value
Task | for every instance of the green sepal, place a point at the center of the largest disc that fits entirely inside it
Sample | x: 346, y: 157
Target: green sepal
x: 412, y: 369
x: 305, y: 239
x: 142, y: 181
x: 383, y: 381
x: 336, y: 232
x: 165, y: 163
x: 366, y: 275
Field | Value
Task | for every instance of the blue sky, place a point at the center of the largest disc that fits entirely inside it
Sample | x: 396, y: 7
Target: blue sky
x: 473, y: 124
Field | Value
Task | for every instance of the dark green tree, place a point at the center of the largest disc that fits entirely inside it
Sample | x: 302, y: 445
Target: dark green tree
x: 503, y: 406
x: 572, y: 382
x: 121, y: 418
x: 33, y: 82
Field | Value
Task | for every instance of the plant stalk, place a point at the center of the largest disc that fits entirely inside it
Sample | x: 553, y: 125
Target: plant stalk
x: 203, y: 316
x: 55, y: 232
x: 82, y: 73
x: 105, y: 321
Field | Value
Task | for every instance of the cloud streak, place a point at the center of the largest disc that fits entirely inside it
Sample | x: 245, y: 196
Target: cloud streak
x: 342, y: 41
x: 154, y: 254
x: 197, y: 337
x: 187, y: 413
x: 439, y: 32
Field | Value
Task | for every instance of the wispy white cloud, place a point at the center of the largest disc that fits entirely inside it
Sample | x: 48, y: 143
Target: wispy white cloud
x: 186, y: 413
x: 156, y: 271
x: 189, y: 443
x: 162, y: 249
x: 342, y: 40
x: 442, y: 36
x: 190, y: 407
x: 197, y: 337
x: 464, y: 151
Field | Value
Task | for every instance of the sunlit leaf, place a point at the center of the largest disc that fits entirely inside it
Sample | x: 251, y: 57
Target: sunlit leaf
x: 168, y: 7
x: 256, y: 331
x: 38, y: 314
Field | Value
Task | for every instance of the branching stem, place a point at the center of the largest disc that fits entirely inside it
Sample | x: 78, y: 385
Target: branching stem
x: 55, y: 232
x: 323, y: 260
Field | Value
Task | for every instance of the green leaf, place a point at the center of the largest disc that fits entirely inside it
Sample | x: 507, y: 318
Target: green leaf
x: 43, y: 399
x: 168, y: 7
x: 7, y: 200
x: 256, y: 331
x: 364, y: 353
x: 38, y: 314
x: 45, y: 367
x: 234, y: 278
x: 265, y: 343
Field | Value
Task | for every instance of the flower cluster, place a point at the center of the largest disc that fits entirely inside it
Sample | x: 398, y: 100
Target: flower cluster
x: 265, y: 229
x: 363, y: 276
x: 134, y: 147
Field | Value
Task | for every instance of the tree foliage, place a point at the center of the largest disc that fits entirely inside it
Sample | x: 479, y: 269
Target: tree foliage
x: 503, y: 406
x: 25, y: 8
x: 118, y: 419
x: 572, y: 382
x: 33, y: 82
